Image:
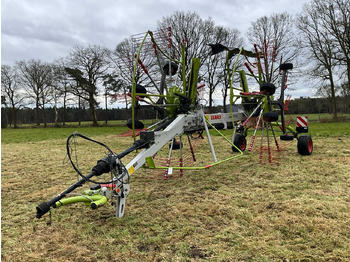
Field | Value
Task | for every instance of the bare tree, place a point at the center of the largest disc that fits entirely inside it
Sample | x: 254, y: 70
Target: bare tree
x: 320, y: 46
x: 147, y: 73
x: 76, y: 76
x: 11, y: 91
x: 190, y: 29
x: 63, y: 87
x: 124, y: 57
x: 36, y: 77
x: 93, y: 64
x: 112, y: 85
x: 275, y: 40
x: 335, y: 19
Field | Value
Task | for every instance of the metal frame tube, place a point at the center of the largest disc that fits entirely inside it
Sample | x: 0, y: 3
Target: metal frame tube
x: 209, y: 138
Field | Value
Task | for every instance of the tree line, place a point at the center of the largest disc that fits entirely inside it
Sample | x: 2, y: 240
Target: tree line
x: 26, y: 116
x: 311, y: 105
x: 90, y: 78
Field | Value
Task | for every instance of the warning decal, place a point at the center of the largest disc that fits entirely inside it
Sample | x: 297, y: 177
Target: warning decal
x: 302, y: 121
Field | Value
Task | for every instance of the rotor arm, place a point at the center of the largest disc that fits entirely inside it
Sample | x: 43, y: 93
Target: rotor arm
x: 158, y: 139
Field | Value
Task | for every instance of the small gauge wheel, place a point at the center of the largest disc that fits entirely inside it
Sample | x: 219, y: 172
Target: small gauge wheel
x: 240, y: 142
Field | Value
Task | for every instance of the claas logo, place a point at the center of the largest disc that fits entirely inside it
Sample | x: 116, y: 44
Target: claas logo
x: 214, y: 117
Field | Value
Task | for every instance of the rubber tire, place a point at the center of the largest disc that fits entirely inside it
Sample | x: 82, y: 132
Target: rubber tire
x: 138, y: 124
x: 176, y: 145
x: 305, y: 145
x: 286, y: 66
x: 240, y: 142
x: 268, y: 88
x: 219, y: 126
x: 229, y: 125
x: 173, y: 66
x: 139, y: 89
x: 270, y: 117
x: 286, y: 137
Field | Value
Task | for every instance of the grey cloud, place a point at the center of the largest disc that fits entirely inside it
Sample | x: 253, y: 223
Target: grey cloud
x: 28, y: 26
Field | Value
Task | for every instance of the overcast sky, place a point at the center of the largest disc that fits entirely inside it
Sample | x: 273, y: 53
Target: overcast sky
x: 48, y: 29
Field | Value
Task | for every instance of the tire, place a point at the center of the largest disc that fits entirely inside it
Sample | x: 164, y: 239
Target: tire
x: 140, y: 89
x: 270, y: 117
x: 305, y: 145
x: 286, y: 66
x: 240, y: 142
x: 173, y: 68
x: 138, y: 124
x: 176, y: 145
x: 286, y: 137
x: 219, y: 126
x: 268, y: 88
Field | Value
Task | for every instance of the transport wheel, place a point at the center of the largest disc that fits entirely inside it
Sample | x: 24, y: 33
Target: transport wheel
x: 240, y: 142
x: 305, y: 145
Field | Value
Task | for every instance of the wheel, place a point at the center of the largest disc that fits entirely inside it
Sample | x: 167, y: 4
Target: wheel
x: 269, y: 88
x: 139, y: 89
x: 270, y: 117
x: 305, y: 145
x: 240, y: 142
x: 173, y: 68
x: 219, y: 126
x: 229, y: 125
x: 176, y: 145
x: 286, y: 66
x: 286, y: 137
x: 138, y: 124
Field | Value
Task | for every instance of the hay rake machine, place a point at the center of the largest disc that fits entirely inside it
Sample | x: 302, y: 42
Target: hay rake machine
x: 184, y: 119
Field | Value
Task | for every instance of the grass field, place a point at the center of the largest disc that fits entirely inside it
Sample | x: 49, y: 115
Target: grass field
x: 118, y: 123
x: 297, y: 209
x: 322, y: 117
x: 113, y: 123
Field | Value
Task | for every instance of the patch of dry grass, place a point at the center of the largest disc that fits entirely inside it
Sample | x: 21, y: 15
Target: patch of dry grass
x: 295, y: 210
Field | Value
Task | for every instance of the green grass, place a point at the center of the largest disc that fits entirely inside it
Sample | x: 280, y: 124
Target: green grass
x: 330, y: 129
x: 319, y: 117
x: 30, y: 133
x: 294, y: 210
x: 335, y: 129
x: 88, y: 123
x: 25, y: 135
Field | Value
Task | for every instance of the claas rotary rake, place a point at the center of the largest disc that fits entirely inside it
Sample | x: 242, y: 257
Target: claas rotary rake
x: 182, y: 115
